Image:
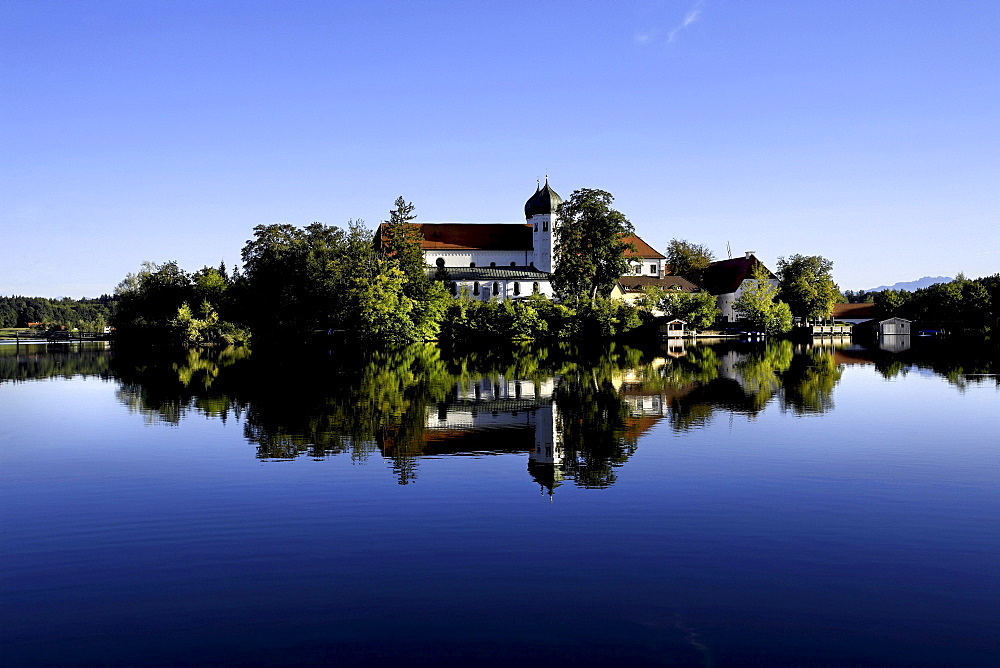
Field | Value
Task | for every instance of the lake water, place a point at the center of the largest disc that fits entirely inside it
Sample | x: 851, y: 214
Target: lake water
x: 718, y: 505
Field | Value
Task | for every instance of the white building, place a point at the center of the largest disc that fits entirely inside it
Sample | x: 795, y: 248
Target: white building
x: 510, y: 260
x: 726, y: 279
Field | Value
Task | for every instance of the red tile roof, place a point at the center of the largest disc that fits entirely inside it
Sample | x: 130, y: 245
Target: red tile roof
x: 496, y: 236
x: 642, y: 249
x: 475, y: 236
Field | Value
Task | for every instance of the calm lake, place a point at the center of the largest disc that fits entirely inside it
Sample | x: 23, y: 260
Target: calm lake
x: 710, y: 505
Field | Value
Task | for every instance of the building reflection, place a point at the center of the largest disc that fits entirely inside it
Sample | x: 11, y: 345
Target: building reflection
x: 501, y: 415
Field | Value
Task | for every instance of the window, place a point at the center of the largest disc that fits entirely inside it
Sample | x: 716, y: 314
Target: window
x: 517, y: 288
x: 472, y: 265
x: 493, y: 264
x: 439, y: 262
x: 513, y: 264
x: 652, y: 268
x: 534, y: 287
x: 454, y: 289
x: 545, y: 225
x: 475, y: 288
x: 531, y: 264
x: 496, y: 288
x: 536, y: 226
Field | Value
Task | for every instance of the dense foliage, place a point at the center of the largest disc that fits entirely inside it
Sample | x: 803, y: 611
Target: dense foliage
x: 590, y: 246
x: 162, y: 303
x: 758, y: 304
x: 698, y: 309
x: 688, y: 259
x: 90, y: 315
x: 961, y: 303
x: 806, y: 285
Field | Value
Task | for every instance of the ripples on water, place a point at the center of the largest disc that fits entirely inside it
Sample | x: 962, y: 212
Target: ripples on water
x: 701, y: 505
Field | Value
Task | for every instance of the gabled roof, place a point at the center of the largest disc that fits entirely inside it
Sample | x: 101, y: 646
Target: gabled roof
x: 726, y: 276
x: 636, y: 283
x: 473, y: 236
x: 642, y: 249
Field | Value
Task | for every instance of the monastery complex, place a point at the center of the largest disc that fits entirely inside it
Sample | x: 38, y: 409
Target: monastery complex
x: 514, y: 260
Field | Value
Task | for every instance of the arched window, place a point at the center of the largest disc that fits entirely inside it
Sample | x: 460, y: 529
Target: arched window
x: 439, y: 262
x: 472, y: 265
x: 531, y: 264
x: 517, y: 288
x: 496, y: 288
x: 513, y: 264
x: 475, y: 288
x: 493, y: 264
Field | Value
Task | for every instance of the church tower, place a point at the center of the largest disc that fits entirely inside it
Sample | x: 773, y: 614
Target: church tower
x: 540, y: 212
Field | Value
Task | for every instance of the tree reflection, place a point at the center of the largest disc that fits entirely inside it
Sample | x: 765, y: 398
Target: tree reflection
x: 54, y: 360
x: 809, y: 380
x: 577, y: 413
x: 166, y: 386
x: 593, y: 418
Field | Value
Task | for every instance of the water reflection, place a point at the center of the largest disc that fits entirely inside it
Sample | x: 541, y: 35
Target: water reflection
x: 576, y: 415
x: 38, y: 361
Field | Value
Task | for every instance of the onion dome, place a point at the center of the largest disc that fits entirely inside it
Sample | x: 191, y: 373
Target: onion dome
x: 545, y: 200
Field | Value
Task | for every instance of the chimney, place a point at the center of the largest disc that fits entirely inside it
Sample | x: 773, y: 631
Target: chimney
x: 750, y: 253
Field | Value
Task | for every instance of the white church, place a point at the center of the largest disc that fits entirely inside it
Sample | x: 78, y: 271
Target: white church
x: 511, y: 260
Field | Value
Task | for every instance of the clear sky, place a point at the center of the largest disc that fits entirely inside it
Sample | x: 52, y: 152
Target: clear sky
x: 867, y: 132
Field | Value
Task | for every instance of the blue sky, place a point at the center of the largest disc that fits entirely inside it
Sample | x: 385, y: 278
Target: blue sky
x: 866, y: 132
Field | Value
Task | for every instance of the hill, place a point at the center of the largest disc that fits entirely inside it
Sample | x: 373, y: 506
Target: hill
x: 924, y: 282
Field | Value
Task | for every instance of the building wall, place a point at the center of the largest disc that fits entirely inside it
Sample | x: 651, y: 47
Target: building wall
x: 543, y: 237
x: 464, y: 258
x: 506, y: 289
x: 647, y: 267
x: 894, y: 326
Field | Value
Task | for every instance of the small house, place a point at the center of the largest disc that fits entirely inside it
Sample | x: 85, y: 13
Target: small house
x: 894, y: 326
x: 673, y: 329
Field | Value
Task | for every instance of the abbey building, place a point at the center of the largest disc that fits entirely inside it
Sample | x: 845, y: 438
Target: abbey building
x: 511, y: 260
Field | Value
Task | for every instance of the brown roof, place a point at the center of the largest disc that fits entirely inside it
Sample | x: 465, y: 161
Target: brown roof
x: 496, y: 236
x: 475, y: 236
x: 726, y: 276
x: 635, y: 283
x: 855, y: 311
x: 642, y: 249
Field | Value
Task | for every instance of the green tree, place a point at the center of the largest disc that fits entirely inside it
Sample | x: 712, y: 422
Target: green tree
x: 687, y: 259
x: 590, y: 245
x: 401, y: 241
x: 892, y: 302
x: 698, y: 309
x: 756, y: 304
x: 806, y: 285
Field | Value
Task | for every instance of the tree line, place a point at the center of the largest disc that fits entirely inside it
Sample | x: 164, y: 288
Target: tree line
x: 969, y: 304
x: 90, y: 315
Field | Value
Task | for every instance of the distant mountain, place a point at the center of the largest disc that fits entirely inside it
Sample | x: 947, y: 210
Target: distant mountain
x: 924, y: 282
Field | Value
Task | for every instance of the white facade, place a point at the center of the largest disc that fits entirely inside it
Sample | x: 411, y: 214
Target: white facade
x: 648, y: 267
x: 543, y: 236
x: 478, y: 258
x: 725, y: 301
